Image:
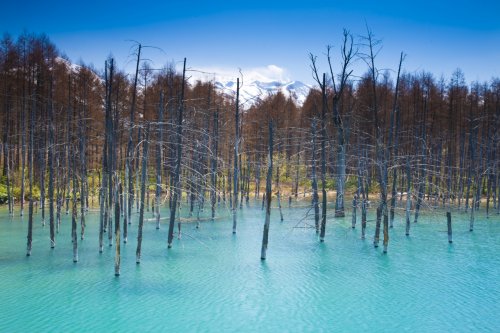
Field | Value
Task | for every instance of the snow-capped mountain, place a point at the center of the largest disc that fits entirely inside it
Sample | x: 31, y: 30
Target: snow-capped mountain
x: 261, y: 82
x: 251, y: 92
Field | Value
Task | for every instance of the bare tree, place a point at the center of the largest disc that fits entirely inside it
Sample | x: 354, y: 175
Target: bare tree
x: 265, y: 236
x: 348, y: 54
x: 143, y: 195
x: 177, y: 172
x: 236, y: 153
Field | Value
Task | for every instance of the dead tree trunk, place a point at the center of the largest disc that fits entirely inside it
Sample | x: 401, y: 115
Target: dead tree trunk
x: 265, y: 236
x: 118, y: 194
x: 278, y: 188
x: 297, y: 166
x: 82, y: 175
x: 110, y: 153
x: 315, y: 198
x: 106, y: 159
x: 177, y: 172
x: 449, y: 177
x: 408, y: 195
x: 43, y: 168
x: 51, y: 168
x: 30, y: 175
x: 393, y: 139
x: 6, y: 146
x: 74, y: 207
x: 423, y: 169
x: 358, y: 190
x: 213, y: 162
x: 364, y: 195
x: 347, y: 53
x: 143, y: 194
x: 129, y: 183
x: 23, y: 148
x: 10, y: 198
x: 380, y: 152
x: 69, y: 121
x: 236, y: 153
x: 158, y: 161
x: 473, y: 173
x: 323, y: 163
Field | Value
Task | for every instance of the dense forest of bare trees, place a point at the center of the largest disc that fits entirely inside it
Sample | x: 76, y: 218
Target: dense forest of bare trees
x: 73, y: 137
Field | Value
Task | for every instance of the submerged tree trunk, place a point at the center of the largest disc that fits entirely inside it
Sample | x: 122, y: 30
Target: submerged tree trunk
x: 69, y: 121
x: 23, y: 150
x: 43, y: 167
x: 74, y: 209
x: 177, y: 172
x: 296, y: 189
x: 158, y: 161
x: 364, y: 196
x: 323, y: 164
x: 236, y: 153
x: 82, y: 177
x: 129, y: 183
x: 143, y: 193
x: 408, y: 195
x: 376, y: 238
x: 381, y: 152
x: 102, y: 195
x: 422, y: 147
x: 449, y: 177
x: 30, y: 176
x: 358, y: 191
x: 51, y: 169
x: 6, y: 146
x: 59, y: 197
x: 105, y: 192
x: 315, y: 198
x: 10, y: 198
x: 110, y: 152
x: 347, y: 55
x: 278, y: 194
x: 265, y: 236
x: 118, y: 194
x: 393, y: 143
x: 213, y: 162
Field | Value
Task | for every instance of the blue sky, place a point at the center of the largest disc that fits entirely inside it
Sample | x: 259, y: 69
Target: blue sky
x: 222, y: 36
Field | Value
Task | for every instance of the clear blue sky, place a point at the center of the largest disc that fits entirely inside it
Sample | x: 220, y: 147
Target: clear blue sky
x: 438, y: 36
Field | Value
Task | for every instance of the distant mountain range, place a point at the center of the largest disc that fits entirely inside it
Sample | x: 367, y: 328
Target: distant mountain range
x: 251, y: 92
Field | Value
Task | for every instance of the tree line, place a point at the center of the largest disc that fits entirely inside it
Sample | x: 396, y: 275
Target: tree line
x: 74, y: 137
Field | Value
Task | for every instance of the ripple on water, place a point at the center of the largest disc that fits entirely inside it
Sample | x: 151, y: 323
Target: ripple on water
x: 213, y: 281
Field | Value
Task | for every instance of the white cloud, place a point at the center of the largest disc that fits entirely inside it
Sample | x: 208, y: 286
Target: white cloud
x: 265, y: 74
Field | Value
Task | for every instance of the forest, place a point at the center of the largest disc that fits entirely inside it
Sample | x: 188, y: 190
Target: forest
x: 76, y: 139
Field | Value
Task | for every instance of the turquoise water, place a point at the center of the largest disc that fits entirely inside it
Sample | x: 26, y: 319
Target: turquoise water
x: 212, y: 281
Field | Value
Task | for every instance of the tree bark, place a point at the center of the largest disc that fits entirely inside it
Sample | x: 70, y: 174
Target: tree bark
x: 129, y: 183
x: 278, y: 194
x: 158, y: 161
x: 323, y: 163
x: 30, y: 175
x: 177, y: 173
x: 143, y: 193
x: 393, y: 138
x: 315, y: 198
x: 265, y: 235
x: 118, y: 194
x: 408, y: 195
x: 51, y: 168
x: 236, y: 154
x: 213, y: 162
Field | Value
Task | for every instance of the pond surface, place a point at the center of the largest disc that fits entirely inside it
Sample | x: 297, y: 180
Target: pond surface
x: 212, y: 281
